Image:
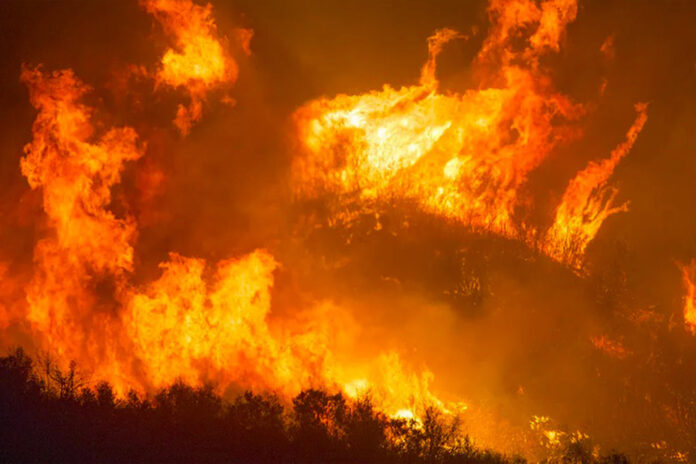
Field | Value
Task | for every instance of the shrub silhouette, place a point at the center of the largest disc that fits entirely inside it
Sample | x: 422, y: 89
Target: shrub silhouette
x: 51, y: 416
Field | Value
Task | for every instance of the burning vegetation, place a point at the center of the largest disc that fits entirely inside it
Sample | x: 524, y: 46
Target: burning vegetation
x: 411, y: 273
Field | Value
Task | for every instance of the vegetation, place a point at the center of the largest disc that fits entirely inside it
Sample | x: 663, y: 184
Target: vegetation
x: 50, y: 416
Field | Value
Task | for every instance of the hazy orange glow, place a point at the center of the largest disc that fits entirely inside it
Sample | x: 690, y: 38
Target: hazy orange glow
x: 613, y: 348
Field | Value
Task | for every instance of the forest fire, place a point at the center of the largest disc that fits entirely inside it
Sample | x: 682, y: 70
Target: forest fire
x: 421, y: 270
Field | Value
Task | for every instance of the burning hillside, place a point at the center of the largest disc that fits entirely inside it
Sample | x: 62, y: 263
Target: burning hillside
x: 480, y: 229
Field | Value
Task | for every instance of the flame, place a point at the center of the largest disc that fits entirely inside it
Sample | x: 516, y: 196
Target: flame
x: 183, y: 325
x: 460, y: 156
x: 608, y: 48
x: 554, y: 440
x: 75, y: 175
x: 689, y: 280
x: 5, y: 315
x: 613, y: 348
x: 199, y: 62
x: 185, y: 328
x: 509, y: 17
x: 588, y: 201
x: 406, y: 414
x: 86, y: 243
x: 464, y: 156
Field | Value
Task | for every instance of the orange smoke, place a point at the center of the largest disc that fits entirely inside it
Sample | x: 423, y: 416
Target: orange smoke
x: 198, y: 62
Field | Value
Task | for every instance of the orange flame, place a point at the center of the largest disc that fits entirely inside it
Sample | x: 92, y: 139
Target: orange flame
x: 199, y: 62
x: 509, y: 18
x: 689, y: 280
x: 613, y: 348
x: 463, y: 156
x: 181, y: 328
x: 81, y: 305
x: 5, y: 315
x: 460, y: 156
x: 86, y: 242
x: 588, y: 201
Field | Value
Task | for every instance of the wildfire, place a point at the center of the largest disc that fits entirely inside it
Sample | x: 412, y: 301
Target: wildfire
x: 462, y: 156
x: 465, y: 156
x: 181, y: 326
